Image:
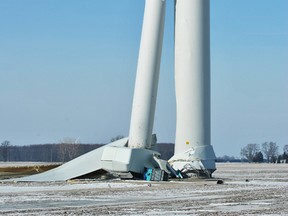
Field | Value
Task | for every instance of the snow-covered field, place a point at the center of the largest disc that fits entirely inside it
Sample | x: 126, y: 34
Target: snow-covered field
x: 248, y: 189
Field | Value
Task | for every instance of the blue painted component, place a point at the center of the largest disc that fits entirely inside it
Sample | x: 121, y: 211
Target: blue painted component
x: 148, y: 174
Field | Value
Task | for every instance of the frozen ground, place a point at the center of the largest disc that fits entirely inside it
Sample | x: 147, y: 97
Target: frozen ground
x: 248, y: 189
x: 25, y: 164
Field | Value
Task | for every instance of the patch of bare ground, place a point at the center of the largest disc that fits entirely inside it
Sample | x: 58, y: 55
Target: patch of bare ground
x: 15, y: 170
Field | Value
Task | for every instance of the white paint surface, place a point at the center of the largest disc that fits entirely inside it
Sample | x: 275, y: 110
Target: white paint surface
x: 145, y: 92
x: 192, y: 78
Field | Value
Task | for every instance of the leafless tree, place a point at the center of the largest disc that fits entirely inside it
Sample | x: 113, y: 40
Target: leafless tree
x: 285, y: 149
x: 68, y: 149
x: 116, y: 138
x: 270, y: 150
x: 4, y: 149
x: 250, y: 151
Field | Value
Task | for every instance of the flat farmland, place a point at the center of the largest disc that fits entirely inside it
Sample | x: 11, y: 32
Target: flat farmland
x: 247, y: 189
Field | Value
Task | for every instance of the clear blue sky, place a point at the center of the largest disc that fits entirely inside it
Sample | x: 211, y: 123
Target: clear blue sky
x: 67, y: 69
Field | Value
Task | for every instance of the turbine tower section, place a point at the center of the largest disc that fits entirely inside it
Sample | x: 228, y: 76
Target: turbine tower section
x: 193, y: 150
x: 147, y: 76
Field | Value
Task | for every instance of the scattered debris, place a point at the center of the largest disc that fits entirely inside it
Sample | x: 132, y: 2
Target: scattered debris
x: 220, y: 181
x: 155, y: 175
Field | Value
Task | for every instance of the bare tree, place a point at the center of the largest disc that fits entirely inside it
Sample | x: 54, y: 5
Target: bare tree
x: 68, y: 149
x: 258, y: 157
x: 285, y: 149
x: 250, y: 151
x: 270, y: 150
x: 4, y: 149
x: 284, y: 157
x: 118, y: 137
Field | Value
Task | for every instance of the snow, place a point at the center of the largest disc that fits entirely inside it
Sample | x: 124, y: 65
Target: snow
x: 29, y: 187
x: 248, y: 189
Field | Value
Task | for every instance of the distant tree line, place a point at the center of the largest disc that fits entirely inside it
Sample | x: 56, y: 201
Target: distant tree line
x: 61, y: 152
x: 64, y: 151
x: 266, y: 152
x: 4, y: 150
x: 68, y: 149
x: 227, y: 158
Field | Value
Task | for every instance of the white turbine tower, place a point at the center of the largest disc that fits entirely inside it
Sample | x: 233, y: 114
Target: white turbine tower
x: 193, y: 150
x: 147, y: 77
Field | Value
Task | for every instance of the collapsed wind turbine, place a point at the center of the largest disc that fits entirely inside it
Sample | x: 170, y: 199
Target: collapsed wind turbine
x: 133, y: 156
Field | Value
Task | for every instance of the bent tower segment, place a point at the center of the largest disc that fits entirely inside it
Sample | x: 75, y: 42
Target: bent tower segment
x: 147, y: 77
